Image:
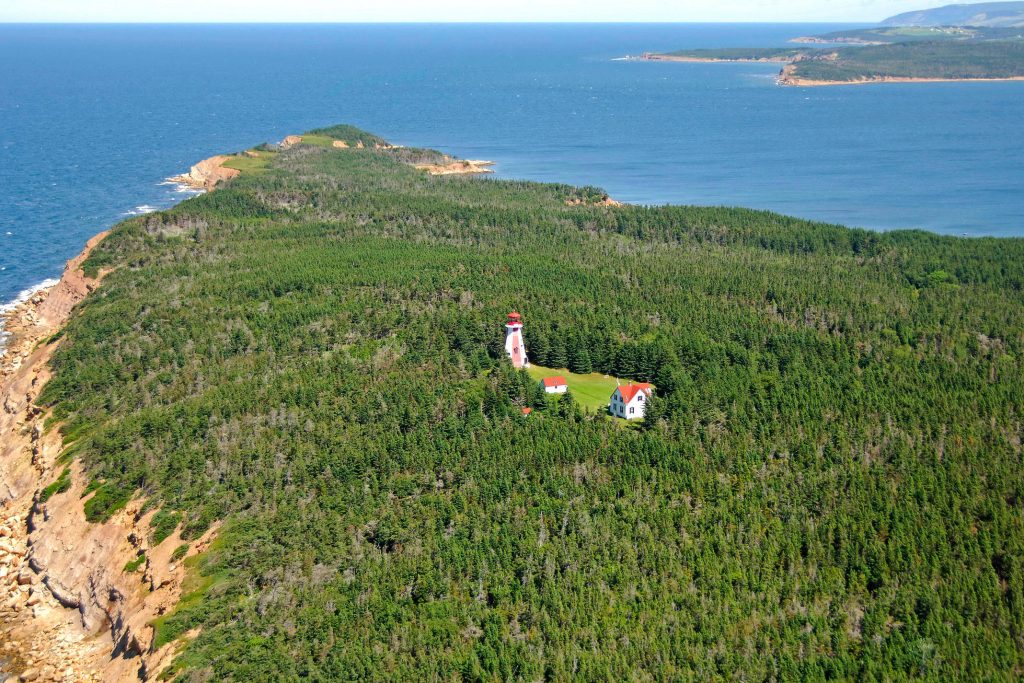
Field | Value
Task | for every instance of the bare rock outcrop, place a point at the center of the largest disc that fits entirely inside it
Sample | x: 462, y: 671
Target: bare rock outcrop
x: 451, y: 166
x: 208, y: 173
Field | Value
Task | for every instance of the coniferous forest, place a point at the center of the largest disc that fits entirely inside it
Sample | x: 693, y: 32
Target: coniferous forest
x: 829, y: 483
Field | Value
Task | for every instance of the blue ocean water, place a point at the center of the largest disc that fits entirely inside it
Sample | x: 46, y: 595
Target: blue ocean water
x: 92, y: 118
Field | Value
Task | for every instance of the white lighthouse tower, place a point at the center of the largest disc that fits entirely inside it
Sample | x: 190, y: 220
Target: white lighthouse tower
x: 514, y: 346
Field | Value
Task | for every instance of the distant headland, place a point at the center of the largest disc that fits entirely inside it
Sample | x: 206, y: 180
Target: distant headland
x: 991, y: 50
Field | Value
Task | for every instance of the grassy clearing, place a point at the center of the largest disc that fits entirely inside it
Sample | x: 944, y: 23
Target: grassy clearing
x: 591, y: 391
x: 318, y: 140
x: 250, y: 164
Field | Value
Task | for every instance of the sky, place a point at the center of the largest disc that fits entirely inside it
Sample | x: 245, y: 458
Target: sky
x: 868, y: 11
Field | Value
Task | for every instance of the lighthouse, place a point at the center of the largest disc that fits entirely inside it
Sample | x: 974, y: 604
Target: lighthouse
x: 514, y: 346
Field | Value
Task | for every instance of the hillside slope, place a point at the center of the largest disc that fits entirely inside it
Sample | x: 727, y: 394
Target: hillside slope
x: 829, y: 485
x: 995, y: 14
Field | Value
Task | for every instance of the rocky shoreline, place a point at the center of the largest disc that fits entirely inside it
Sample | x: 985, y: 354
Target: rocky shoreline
x: 70, y: 609
x: 457, y: 167
x: 206, y: 174
x: 39, y: 638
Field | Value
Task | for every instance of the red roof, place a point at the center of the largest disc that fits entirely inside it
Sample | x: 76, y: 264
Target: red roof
x: 527, y: 411
x: 629, y: 391
x: 555, y: 381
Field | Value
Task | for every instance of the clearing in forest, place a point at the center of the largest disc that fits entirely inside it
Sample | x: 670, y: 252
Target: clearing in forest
x: 590, y: 391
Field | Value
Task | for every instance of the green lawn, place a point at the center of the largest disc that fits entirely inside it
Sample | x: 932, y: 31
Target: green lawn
x: 591, y: 391
x: 319, y: 140
x: 250, y: 164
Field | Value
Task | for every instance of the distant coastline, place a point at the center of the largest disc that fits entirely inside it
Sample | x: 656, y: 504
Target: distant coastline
x: 795, y: 81
x: 693, y: 59
x: 902, y: 62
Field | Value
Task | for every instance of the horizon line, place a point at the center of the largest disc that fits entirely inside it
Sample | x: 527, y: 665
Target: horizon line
x: 424, y: 23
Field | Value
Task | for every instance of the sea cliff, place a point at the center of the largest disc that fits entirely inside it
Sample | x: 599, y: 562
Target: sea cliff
x: 207, y: 173
x: 69, y: 608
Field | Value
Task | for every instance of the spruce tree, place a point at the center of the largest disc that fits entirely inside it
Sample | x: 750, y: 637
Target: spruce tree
x: 538, y: 346
x: 580, y: 361
x: 558, y: 357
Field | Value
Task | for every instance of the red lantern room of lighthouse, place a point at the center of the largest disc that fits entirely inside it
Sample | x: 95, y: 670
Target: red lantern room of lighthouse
x: 514, y: 345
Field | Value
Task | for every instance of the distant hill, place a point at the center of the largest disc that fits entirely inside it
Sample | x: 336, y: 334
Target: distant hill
x: 994, y: 14
x: 887, y: 35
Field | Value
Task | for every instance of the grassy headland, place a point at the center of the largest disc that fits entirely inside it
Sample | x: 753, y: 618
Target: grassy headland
x: 829, y: 485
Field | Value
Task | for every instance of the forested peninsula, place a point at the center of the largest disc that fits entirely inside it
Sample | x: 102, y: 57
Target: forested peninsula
x: 286, y: 404
x: 883, y: 56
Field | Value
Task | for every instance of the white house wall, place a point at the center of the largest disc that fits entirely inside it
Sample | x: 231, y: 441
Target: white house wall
x: 638, y: 406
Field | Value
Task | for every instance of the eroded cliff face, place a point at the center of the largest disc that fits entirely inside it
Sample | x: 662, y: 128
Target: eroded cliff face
x: 76, y: 599
x: 457, y: 167
x: 207, y: 173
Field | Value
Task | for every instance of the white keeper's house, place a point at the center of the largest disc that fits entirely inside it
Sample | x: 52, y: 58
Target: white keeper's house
x: 555, y: 385
x: 630, y: 401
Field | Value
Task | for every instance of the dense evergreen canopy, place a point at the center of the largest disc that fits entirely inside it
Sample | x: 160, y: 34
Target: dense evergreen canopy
x: 830, y: 486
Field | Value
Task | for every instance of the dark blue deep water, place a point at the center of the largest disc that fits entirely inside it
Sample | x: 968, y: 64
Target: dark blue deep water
x: 93, y: 118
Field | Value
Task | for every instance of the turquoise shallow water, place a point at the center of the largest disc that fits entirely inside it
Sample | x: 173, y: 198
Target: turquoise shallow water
x: 93, y: 118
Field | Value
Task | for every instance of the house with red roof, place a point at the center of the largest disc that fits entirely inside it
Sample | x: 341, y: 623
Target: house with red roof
x: 630, y: 400
x: 555, y: 385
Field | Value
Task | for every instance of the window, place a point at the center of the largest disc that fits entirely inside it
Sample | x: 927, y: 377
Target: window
x: 641, y: 397
x: 632, y: 410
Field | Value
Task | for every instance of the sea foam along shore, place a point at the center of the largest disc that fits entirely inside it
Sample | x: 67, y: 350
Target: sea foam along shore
x: 21, y: 306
